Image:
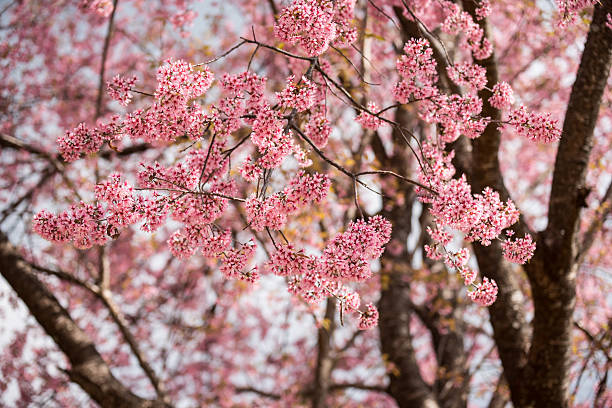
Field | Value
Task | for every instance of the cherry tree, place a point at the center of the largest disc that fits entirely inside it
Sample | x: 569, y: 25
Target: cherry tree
x: 306, y: 203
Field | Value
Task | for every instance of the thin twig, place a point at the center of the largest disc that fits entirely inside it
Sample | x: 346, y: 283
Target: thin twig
x: 225, y: 54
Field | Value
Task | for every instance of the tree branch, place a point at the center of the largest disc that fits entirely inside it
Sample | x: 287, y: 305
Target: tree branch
x: 603, y: 210
x: 358, y: 386
x: 324, y: 362
x: 258, y: 392
x: 552, y: 271
x: 88, y: 369
x: 510, y: 329
x: 107, y: 39
x: 102, y: 292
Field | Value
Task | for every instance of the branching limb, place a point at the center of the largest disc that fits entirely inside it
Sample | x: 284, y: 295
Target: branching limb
x: 102, y: 293
x: 88, y: 369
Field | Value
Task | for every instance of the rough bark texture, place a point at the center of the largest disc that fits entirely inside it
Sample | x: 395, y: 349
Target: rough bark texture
x: 510, y: 329
x: 324, y: 359
x: 88, y: 369
x: 552, y: 272
x: 536, y: 367
x: 406, y: 384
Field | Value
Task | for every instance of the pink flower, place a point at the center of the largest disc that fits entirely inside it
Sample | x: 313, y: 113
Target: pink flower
x: 235, y: 261
x: 299, y: 96
x: 347, y: 256
x: 503, y: 96
x: 79, y: 140
x: 369, y: 318
x: 439, y: 235
x: 418, y: 71
x: 250, y: 171
x: 272, y: 211
x: 81, y: 225
x: 458, y: 259
x: 216, y: 244
x: 286, y: 261
x: 251, y: 276
x: 367, y: 120
x: 178, y: 78
x: 485, y: 293
x: 468, y: 274
x: 318, y: 129
x: 309, y: 24
x: 539, y: 127
x: 119, y: 89
x: 520, y: 250
x: 458, y: 21
x: 180, y: 245
x: 474, y: 77
x: 483, y: 10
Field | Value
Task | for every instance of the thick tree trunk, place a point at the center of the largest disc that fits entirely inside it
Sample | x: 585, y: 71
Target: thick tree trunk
x: 537, y: 368
x: 553, y: 270
x: 510, y: 329
x: 324, y: 364
x: 88, y: 369
x: 406, y: 386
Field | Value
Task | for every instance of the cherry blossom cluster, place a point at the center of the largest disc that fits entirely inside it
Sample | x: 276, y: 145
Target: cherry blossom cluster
x: 86, y: 225
x: 485, y: 293
x: 315, y: 24
x: 243, y: 103
x: 503, y: 96
x: 480, y: 217
x: 299, y: 96
x: 455, y: 115
x: 173, y: 114
x: 369, y: 318
x: 309, y: 24
x: 483, y: 10
x: 318, y: 129
x: 180, y: 79
x: 418, y: 71
x: 538, y: 127
x: 272, y: 211
x: 347, y: 256
x: 367, y: 120
x: 79, y: 225
x: 272, y: 139
x: 250, y: 171
x: 119, y: 89
x: 520, y: 250
x: 568, y: 9
x: 102, y: 7
x: 344, y: 14
x: 121, y: 202
x: 236, y: 261
x: 345, y: 259
x: 460, y: 22
x: 246, y: 85
x: 78, y: 141
x: 473, y: 77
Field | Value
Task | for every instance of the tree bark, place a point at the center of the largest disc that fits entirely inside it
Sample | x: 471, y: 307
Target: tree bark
x: 406, y: 386
x: 553, y: 270
x: 88, y: 369
x: 507, y: 314
x: 324, y: 364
